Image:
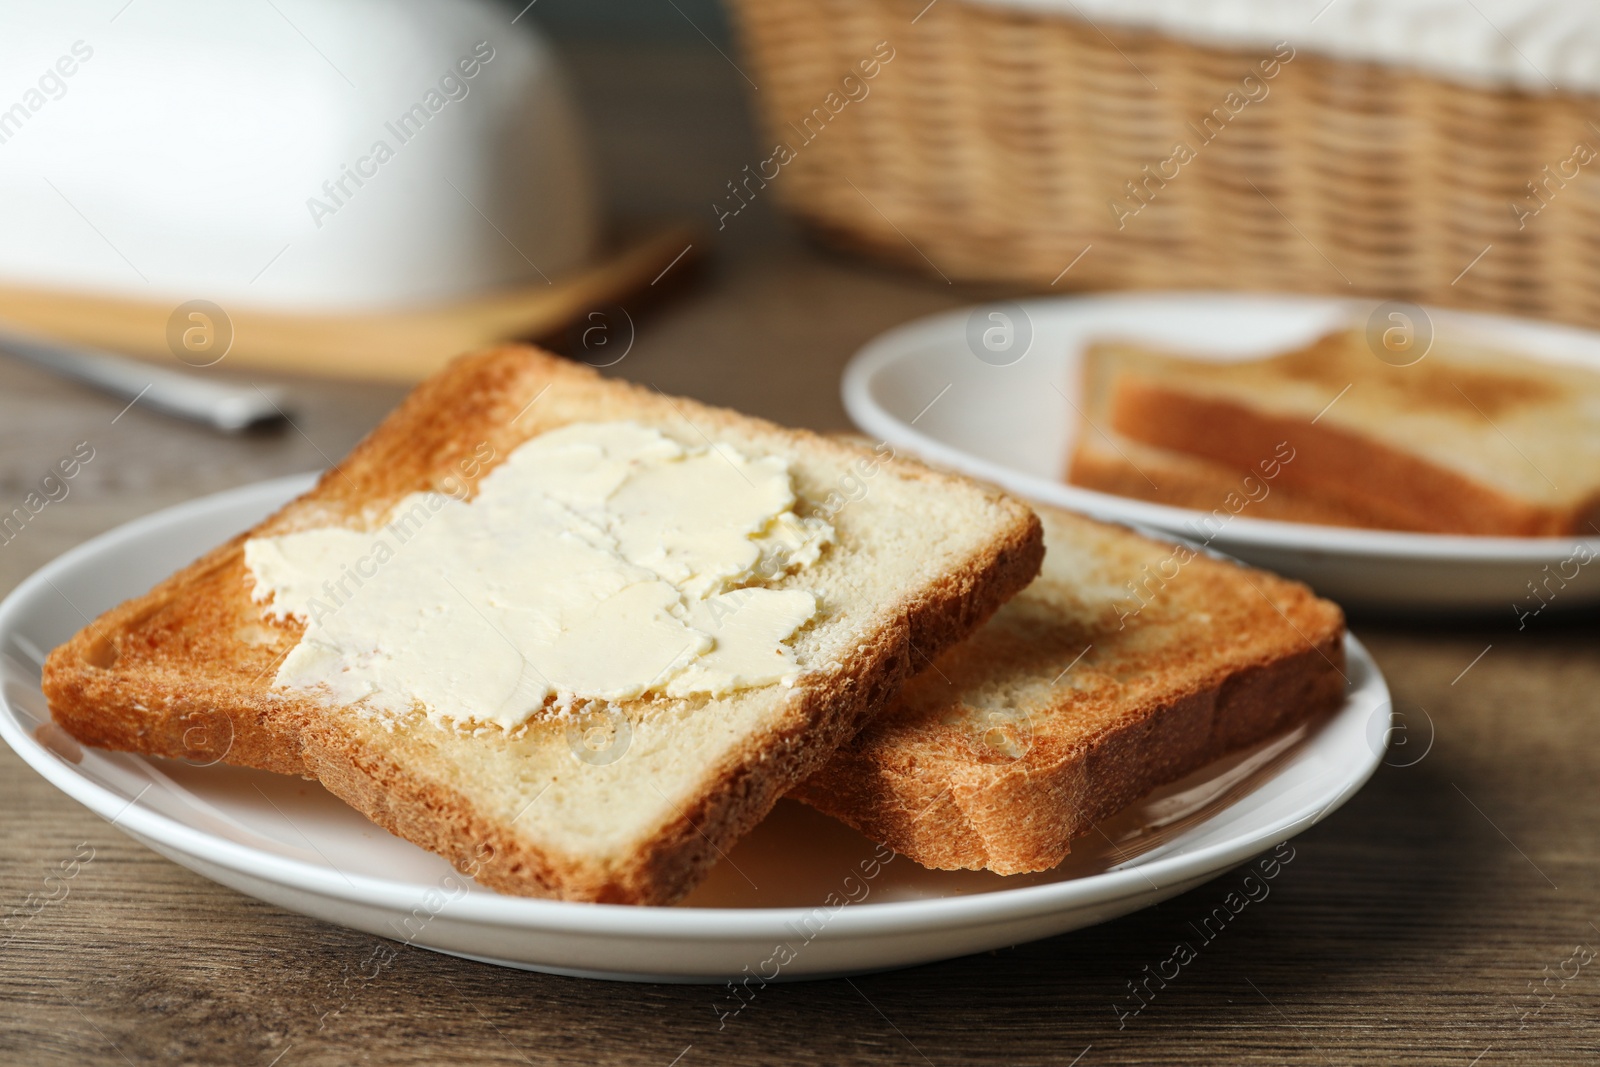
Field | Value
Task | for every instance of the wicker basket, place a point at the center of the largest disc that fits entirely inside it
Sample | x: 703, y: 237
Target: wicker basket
x: 994, y: 144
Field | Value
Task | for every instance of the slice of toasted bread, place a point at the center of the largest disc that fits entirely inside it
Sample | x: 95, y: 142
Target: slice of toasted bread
x: 1111, y: 463
x: 1465, y: 440
x: 1127, y: 664
x: 919, y: 559
x: 1105, y: 460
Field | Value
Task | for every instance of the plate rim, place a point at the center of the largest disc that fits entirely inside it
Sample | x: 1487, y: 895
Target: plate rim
x: 901, y: 342
x: 661, y: 922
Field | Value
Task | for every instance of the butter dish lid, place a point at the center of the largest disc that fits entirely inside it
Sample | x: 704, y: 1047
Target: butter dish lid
x: 304, y: 154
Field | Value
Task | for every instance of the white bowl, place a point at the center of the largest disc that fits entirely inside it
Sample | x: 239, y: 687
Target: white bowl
x: 289, y: 842
x: 920, y: 387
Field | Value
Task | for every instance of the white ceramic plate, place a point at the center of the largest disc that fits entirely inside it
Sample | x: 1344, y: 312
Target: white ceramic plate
x: 920, y: 387
x: 287, y: 841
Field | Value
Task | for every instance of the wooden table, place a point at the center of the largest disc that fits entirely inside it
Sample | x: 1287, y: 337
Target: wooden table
x: 1447, y: 915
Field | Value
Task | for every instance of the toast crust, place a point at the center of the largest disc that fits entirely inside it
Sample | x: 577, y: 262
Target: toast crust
x: 920, y: 785
x: 1354, y: 473
x: 186, y: 670
x: 128, y: 681
x: 1186, y: 481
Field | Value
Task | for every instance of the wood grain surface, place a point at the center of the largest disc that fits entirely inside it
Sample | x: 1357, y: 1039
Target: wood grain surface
x: 1447, y: 915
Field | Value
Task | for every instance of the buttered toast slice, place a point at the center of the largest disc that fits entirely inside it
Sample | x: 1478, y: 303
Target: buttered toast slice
x: 544, y: 790
x: 1127, y: 664
x: 1467, y: 439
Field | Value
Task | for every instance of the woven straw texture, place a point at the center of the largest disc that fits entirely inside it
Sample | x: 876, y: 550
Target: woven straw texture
x: 999, y: 146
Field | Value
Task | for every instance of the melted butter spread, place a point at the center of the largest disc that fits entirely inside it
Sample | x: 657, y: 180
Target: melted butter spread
x: 599, y: 561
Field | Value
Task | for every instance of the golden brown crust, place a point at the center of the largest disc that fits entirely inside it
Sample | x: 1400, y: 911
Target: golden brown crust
x: 1353, y: 473
x: 918, y: 785
x: 1185, y: 481
x: 129, y: 681
x: 186, y: 670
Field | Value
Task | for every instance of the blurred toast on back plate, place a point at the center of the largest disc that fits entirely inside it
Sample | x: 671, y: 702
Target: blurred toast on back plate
x: 542, y: 790
x: 1105, y: 460
x: 1467, y: 439
x: 1127, y: 664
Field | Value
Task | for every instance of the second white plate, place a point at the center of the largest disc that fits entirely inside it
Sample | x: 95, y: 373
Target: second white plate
x: 922, y: 388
